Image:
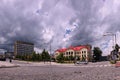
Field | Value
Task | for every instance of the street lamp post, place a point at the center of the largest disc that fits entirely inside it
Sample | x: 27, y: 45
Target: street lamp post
x: 50, y: 54
x: 115, y: 39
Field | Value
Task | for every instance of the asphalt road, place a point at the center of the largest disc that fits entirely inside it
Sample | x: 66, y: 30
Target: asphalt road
x: 40, y: 71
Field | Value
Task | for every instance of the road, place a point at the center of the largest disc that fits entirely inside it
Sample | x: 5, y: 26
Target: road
x: 41, y: 71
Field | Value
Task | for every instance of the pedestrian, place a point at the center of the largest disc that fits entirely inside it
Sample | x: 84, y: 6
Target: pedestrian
x: 10, y: 60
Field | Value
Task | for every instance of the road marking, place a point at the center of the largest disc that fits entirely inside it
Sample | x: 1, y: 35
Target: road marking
x: 85, y: 66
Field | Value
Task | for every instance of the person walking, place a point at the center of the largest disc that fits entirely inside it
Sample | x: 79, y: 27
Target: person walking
x: 10, y: 59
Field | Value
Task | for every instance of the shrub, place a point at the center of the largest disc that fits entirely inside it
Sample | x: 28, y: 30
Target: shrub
x: 113, y: 61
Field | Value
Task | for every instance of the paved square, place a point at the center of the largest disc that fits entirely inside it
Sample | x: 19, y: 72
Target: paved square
x: 40, y: 71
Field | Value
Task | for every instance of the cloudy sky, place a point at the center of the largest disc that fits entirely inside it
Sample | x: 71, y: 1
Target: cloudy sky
x: 60, y: 22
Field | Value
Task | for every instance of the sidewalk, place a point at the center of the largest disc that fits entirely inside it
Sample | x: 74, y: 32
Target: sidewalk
x: 4, y: 64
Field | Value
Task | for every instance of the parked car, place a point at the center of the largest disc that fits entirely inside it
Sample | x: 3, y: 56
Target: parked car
x: 82, y: 62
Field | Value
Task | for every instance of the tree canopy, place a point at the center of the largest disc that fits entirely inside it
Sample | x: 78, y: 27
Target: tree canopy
x: 97, y: 53
x: 60, y: 58
x: 117, y: 47
x: 45, y: 55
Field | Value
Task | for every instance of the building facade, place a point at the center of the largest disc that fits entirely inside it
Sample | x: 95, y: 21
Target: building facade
x: 81, y: 52
x: 22, y: 48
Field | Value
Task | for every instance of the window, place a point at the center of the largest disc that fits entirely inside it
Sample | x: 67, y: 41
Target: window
x: 80, y: 52
x: 71, y: 53
x: 84, y: 55
x: 84, y: 51
x: 66, y: 53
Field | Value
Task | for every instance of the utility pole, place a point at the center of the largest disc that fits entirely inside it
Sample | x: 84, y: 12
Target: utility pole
x: 115, y: 39
x: 51, y: 70
x: 50, y: 53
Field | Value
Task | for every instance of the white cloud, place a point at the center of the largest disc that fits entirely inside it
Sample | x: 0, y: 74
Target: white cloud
x: 2, y: 40
x: 48, y: 35
x: 37, y: 50
x: 42, y: 21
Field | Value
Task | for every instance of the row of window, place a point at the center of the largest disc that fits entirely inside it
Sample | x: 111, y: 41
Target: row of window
x: 68, y: 53
x: 71, y: 53
x: 78, y: 56
x: 83, y: 53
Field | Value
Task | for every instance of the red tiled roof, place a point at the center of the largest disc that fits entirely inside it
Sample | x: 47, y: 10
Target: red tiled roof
x: 61, y: 50
x: 78, y: 48
x: 73, y: 48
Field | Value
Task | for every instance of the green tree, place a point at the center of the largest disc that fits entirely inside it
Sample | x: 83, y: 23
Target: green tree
x: 97, y: 53
x: 45, y: 55
x: 83, y: 58
x: 71, y: 57
x: 117, y: 50
x: 34, y: 56
x: 60, y: 58
x: 117, y: 47
x: 39, y: 58
x: 66, y: 58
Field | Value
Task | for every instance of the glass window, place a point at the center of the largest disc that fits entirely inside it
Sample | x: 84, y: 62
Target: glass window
x: 84, y: 51
x: 69, y: 53
x: 66, y: 53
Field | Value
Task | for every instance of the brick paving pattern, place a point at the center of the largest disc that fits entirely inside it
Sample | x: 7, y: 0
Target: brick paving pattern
x: 57, y: 72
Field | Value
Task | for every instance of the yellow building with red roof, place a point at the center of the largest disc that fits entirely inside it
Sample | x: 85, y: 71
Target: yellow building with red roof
x: 81, y: 52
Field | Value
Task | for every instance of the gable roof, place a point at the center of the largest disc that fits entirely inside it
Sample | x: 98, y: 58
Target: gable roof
x: 77, y: 48
x: 61, y: 50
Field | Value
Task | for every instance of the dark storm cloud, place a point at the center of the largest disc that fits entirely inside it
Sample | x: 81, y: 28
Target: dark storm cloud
x: 43, y: 22
x: 17, y: 22
x: 95, y: 19
x: 85, y: 13
x: 32, y: 21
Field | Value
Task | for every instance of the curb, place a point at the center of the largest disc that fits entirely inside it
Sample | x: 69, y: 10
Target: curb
x: 3, y: 66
